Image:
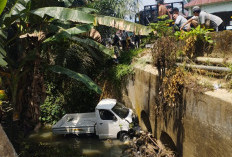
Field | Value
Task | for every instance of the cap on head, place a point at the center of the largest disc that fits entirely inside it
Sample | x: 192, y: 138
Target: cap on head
x: 196, y: 9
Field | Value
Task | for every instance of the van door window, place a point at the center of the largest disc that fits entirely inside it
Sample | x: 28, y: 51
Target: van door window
x: 106, y: 115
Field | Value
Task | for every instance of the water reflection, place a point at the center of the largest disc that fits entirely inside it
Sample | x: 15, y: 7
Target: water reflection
x: 44, y: 143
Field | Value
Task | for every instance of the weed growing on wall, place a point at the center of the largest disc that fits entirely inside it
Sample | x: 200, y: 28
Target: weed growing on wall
x: 164, y: 54
x: 171, y: 79
x: 173, y: 85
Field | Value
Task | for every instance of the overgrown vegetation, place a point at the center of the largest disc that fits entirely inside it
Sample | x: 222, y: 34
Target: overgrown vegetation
x: 51, y: 61
x: 125, y: 66
x: 114, y: 76
x: 167, y: 47
x: 29, y: 40
x: 189, y: 45
x: 173, y: 85
x: 197, y: 41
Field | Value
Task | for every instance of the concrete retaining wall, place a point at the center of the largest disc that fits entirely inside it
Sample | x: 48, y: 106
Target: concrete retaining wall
x: 201, y: 126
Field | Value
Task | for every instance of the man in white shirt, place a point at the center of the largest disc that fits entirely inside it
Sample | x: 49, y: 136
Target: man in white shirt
x: 205, y: 19
x: 179, y: 21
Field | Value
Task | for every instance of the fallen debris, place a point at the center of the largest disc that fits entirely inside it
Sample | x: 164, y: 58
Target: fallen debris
x: 144, y: 145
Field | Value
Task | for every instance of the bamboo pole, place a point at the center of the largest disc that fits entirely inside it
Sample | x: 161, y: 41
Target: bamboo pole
x: 210, y: 60
x: 204, y: 67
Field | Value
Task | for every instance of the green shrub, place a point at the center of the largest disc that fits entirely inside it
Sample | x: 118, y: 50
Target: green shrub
x: 52, y: 109
x: 125, y: 67
x: 162, y: 27
x: 123, y: 70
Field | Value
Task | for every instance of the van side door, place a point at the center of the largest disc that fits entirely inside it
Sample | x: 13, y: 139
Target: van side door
x: 107, y: 124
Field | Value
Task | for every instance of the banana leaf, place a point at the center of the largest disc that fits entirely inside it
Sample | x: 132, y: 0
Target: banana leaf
x: 122, y: 24
x: 19, y: 7
x: 77, y: 76
x: 65, y: 14
x: 2, y: 5
x: 3, y: 37
x: 94, y: 44
x: 3, y: 34
x: 67, y: 33
x: 3, y: 63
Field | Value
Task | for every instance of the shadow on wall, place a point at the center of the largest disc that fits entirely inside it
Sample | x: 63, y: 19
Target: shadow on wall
x: 167, y: 141
x: 169, y: 126
x: 146, y: 121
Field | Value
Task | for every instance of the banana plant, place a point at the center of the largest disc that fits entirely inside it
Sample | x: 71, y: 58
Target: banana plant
x: 17, y: 68
x: 68, y: 14
x: 21, y: 6
x: 67, y: 23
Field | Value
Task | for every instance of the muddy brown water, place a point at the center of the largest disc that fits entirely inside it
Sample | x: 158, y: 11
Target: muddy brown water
x: 45, y: 143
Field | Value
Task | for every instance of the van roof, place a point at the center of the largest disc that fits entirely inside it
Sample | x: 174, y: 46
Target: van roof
x: 106, y: 104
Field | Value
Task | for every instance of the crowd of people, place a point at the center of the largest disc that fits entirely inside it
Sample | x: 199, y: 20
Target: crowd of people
x: 202, y: 18
x: 122, y: 40
x: 125, y: 40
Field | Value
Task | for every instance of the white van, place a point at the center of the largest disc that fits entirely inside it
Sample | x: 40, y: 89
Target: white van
x: 111, y: 119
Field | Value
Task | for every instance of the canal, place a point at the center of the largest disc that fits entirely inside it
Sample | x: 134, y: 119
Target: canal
x: 45, y: 144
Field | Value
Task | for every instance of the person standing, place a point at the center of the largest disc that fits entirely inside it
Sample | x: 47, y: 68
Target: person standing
x: 124, y: 38
x: 163, y: 9
x: 116, y: 45
x: 137, y: 41
x: 205, y: 19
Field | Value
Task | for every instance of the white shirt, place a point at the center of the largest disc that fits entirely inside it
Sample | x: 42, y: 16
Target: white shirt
x: 203, y: 16
x: 180, y: 20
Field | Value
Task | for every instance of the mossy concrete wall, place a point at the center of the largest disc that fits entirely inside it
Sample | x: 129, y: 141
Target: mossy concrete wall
x: 201, y: 126
x: 6, y: 148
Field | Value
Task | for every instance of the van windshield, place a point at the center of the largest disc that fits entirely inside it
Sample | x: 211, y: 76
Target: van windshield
x: 120, y: 110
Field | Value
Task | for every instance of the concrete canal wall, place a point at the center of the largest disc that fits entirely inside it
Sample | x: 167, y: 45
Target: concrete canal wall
x: 201, y: 126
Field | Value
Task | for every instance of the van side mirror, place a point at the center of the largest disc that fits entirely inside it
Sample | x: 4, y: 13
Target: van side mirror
x: 115, y: 118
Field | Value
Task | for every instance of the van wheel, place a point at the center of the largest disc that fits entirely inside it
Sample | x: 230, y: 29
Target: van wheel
x: 124, y: 137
